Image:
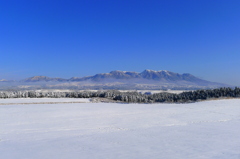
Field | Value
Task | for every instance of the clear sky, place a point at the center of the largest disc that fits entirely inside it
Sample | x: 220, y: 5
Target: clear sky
x: 66, y: 38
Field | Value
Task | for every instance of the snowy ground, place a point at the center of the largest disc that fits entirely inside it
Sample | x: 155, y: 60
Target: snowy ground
x: 13, y: 101
x: 204, y: 130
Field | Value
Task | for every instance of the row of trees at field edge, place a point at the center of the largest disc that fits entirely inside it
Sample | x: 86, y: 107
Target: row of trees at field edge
x: 130, y: 97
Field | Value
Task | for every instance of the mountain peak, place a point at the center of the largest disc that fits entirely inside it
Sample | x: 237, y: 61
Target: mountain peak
x: 147, y: 70
x: 117, y: 71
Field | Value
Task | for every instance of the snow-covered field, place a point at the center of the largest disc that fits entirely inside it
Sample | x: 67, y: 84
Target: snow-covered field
x: 42, y: 100
x: 204, y: 130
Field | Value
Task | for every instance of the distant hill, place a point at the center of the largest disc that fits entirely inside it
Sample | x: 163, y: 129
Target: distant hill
x: 43, y: 79
x: 4, y: 80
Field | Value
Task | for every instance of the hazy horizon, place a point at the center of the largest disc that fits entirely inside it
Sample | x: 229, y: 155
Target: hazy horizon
x: 67, y: 39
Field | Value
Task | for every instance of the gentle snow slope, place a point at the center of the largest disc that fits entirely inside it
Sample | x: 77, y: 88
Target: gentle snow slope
x: 42, y: 100
x: 206, y: 130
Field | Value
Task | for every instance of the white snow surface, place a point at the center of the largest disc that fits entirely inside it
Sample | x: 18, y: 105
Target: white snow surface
x: 42, y: 100
x: 204, y: 130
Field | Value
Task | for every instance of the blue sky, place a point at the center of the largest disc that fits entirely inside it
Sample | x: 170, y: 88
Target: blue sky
x: 66, y: 38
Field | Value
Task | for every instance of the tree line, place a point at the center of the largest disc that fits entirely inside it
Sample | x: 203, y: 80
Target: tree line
x: 131, y: 97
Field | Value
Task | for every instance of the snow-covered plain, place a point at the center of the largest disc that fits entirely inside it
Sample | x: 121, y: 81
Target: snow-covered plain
x: 204, y: 130
x: 42, y: 100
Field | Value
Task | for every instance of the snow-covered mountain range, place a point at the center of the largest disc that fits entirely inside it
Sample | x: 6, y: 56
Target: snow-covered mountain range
x: 148, y: 79
x: 161, y: 75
